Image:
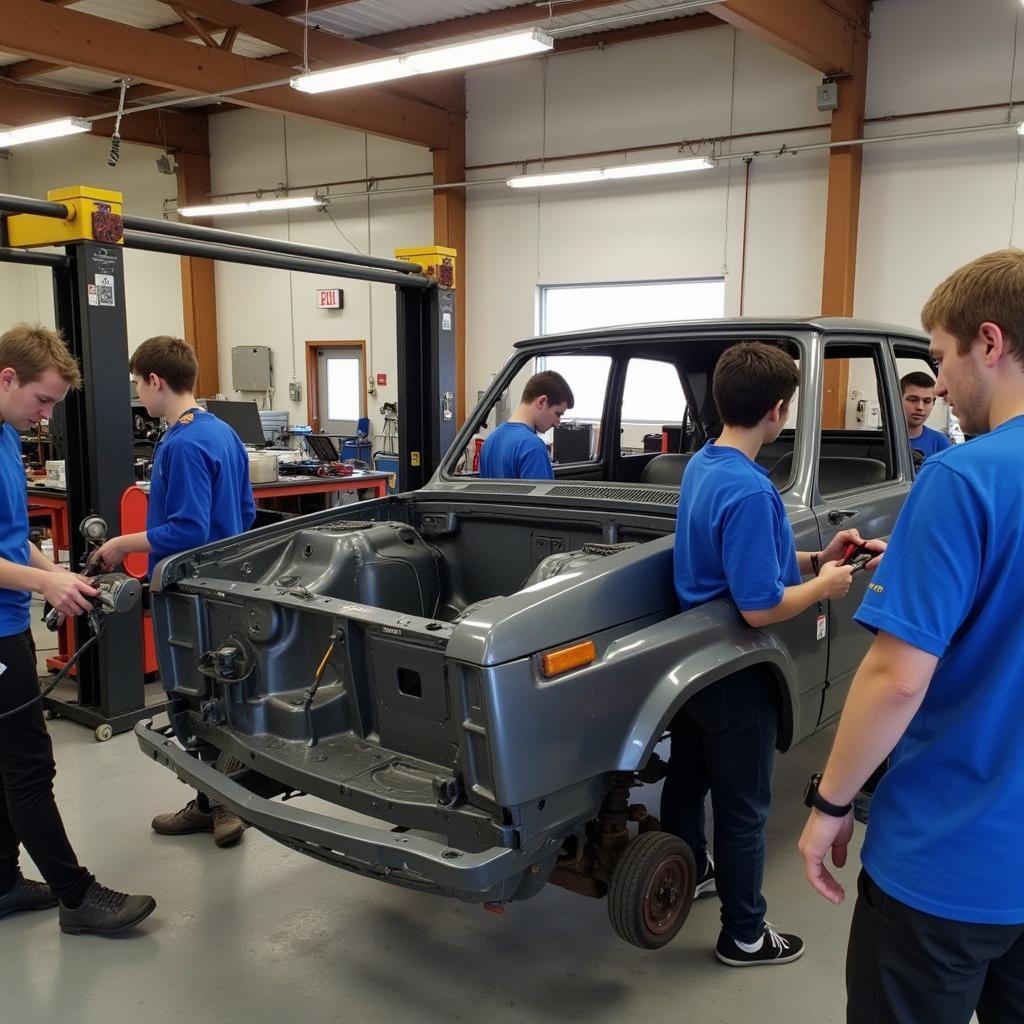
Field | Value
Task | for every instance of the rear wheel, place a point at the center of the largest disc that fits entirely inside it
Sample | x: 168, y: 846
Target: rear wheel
x: 651, y: 889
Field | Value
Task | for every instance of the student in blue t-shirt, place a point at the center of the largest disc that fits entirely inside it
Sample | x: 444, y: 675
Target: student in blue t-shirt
x: 733, y: 539
x: 938, y: 928
x: 36, y: 372
x: 918, y: 390
x: 199, y: 492
x: 514, y: 451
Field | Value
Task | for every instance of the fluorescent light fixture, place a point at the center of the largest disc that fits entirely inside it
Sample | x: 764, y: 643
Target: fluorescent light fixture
x: 253, y: 206
x: 46, y: 130
x: 425, y: 62
x: 559, y: 178
x: 699, y: 163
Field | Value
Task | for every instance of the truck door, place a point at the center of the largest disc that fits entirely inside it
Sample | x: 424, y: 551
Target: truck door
x: 861, y: 480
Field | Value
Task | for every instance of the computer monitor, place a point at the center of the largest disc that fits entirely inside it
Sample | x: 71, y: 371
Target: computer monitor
x: 322, y: 447
x: 243, y: 417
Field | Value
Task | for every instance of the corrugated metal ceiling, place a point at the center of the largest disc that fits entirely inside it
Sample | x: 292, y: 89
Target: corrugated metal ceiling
x: 357, y: 20
x: 375, y: 17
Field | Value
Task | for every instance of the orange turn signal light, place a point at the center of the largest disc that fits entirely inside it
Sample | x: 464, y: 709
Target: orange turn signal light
x: 567, y: 658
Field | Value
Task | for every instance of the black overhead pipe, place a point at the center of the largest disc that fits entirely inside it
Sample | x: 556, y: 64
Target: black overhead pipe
x: 316, y: 252
x: 258, y: 258
x: 36, y: 259
x: 21, y: 204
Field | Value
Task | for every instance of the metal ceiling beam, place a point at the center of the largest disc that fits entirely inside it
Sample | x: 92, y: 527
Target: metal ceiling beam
x: 821, y: 34
x: 30, y: 104
x: 38, y: 29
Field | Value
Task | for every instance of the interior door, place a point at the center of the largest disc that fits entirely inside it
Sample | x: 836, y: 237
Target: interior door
x: 340, y: 389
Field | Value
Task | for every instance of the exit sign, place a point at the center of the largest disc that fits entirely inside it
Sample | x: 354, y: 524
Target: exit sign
x: 329, y: 298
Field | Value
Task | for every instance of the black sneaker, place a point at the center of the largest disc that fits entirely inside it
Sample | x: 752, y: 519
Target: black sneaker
x: 105, y: 911
x: 775, y: 949
x: 706, y: 882
x: 26, y: 895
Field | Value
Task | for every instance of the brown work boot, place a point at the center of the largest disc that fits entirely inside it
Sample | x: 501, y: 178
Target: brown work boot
x: 227, y: 827
x: 180, y: 823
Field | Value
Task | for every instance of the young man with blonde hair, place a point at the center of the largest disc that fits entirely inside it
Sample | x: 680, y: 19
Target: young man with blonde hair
x: 199, y: 492
x: 938, y: 927
x: 36, y: 372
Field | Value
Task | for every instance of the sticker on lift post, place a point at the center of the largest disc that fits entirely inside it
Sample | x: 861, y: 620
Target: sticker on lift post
x: 104, y: 290
x: 821, y: 627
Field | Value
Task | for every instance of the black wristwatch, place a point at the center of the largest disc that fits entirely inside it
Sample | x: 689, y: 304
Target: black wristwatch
x: 812, y: 798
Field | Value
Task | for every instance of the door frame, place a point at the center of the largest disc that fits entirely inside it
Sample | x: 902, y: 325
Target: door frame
x: 313, y: 377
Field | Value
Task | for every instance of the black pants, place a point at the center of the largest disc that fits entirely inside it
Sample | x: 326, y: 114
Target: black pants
x: 724, y: 741
x: 904, y: 966
x: 28, y: 811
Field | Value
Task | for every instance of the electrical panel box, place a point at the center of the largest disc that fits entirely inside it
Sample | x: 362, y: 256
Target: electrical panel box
x: 251, y: 368
x: 827, y: 95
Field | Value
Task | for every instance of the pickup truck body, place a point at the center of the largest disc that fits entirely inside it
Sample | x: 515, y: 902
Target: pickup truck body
x: 389, y: 657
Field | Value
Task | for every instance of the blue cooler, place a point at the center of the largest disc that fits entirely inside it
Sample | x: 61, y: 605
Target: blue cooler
x: 387, y: 464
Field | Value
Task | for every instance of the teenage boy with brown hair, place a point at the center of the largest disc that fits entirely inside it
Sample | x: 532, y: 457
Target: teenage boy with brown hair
x: 199, y: 492
x: 514, y: 450
x: 917, y: 391
x: 733, y: 539
x: 938, y: 927
x: 36, y: 372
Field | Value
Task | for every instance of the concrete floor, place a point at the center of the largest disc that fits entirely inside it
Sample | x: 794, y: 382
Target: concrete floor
x: 261, y: 934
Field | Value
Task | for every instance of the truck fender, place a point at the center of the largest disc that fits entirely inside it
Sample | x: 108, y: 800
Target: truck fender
x: 719, y: 657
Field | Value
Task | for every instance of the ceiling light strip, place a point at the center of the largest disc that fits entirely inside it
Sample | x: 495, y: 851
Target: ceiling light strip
x: 46, y: 130
x: 618, y: 172
x: 424, y: 62
x: 251, y: 206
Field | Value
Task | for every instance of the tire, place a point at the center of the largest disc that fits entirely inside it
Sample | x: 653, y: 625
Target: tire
x: 651, y: 889
x: 103, y: 732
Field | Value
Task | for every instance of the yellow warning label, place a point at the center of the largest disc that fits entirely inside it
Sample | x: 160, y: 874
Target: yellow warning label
x: 414, y: 458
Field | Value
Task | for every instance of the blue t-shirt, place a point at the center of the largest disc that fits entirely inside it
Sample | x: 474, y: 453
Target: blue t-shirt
x: 14, y: 604
x: 514, y: 451
x: 930, y: 441
x: 199, y: 489
x: 733, y: 538
x: 947, y: 821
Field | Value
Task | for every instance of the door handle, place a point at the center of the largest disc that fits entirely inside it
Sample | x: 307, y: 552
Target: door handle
x: 838, y: 516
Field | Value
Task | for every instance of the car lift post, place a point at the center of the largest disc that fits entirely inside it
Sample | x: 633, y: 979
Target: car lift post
x: 426, y: 367
x: 89, y: 300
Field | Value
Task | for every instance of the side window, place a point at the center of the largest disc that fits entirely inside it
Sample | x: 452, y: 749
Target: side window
x: 923, y: 412
x: 653, y: 404
x: 577, y: 438
x: 857, y: 432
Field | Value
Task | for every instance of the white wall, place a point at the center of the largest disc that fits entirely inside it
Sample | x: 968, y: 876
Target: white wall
x: 277, y: 308
x: 930, y: 206
x: 152, y: 280
x: 650, y: 91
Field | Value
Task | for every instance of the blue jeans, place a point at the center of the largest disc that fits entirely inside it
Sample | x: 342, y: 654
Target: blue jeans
x: 723, y: 741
